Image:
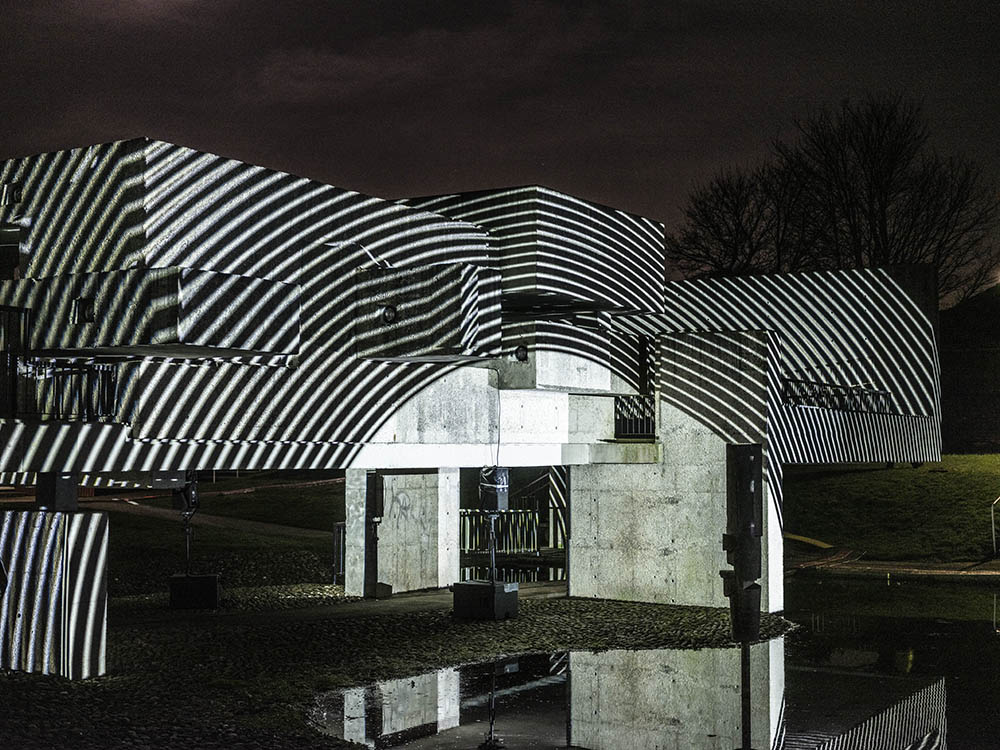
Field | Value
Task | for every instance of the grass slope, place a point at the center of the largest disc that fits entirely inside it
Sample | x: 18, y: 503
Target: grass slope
x: 935, y: 512
x: 144, y: 551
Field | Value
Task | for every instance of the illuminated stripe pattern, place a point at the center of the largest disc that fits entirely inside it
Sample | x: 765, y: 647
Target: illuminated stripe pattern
x: 558, y: 496
x: 842, y: 328
x: 53, y: 614
x: 155, y: 205
x: 551, y: 243
x: 915, y: 723
x: 183, y: 208
x: 726, y: 345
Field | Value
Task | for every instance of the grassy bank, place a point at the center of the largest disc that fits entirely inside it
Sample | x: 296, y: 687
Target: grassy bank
x: 144, y: 551
x: 934, y: 512
x: 308, y: 500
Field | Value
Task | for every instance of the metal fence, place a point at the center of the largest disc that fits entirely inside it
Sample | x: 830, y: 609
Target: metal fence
x: 67, y: 391
x: 516, y: 531
x: 635, y: 417
x: 840, y: 397
x: 513, y: 575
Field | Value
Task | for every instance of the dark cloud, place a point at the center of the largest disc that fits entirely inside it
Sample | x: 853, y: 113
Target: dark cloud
x: 627, y: 103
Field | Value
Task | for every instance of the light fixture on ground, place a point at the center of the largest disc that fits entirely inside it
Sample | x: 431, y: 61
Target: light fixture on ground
x: 492, y: 599
x: 189, y: 591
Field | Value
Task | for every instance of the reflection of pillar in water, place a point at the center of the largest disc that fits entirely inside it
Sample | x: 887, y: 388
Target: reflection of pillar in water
x: 416, y: 706
x: 448, y: 701
x: 667, y: 698
x: 354, y: 715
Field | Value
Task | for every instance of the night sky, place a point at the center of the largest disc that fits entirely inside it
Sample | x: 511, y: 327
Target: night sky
x: 629, y: 104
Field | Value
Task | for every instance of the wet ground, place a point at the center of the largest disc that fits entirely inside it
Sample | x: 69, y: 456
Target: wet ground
x: 904, y: 662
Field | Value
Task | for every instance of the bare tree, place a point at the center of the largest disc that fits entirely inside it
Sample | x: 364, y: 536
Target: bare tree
x: 860, y: 187
x: 744, y: 222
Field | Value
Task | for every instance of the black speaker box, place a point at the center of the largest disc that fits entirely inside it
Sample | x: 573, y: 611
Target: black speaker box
x: 482, y: 600
x: 195, y: 592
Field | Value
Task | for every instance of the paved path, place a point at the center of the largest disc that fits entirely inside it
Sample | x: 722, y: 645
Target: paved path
x: 409, y: 601
x: 121, y: 505
x: 844, y: 562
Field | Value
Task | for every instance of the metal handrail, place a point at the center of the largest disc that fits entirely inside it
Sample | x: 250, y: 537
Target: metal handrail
x: 833, y: 396
x: 993, y: 524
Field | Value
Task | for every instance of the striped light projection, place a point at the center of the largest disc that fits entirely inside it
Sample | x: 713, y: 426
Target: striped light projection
x: 53, y: 613
x: 554, y: 244
x: 266, y: 320
x: 727, y: 346
x: 916, y: 722
x: 256, y: 274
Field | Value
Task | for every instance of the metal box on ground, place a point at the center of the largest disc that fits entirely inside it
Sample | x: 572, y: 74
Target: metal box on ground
x: 482, y: 600
x: 194, y: 592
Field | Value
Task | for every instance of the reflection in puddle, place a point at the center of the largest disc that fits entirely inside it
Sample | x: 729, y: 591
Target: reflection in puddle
x: 642, y: 700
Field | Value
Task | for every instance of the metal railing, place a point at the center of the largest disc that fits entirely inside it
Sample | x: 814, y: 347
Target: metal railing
x: 516, y: 531
x: 513, y: 575
x: 993, y: 524
x: 51, y: 390
x: 839, y: 397
x: 635, y: 417
x: 339, y: 551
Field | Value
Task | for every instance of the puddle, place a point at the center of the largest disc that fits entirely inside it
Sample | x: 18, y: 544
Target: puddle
x: 872, y: 667
x: 903, y: 630
x: 642, y: 700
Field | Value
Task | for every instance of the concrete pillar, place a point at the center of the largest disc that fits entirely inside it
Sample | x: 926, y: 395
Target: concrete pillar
x: 56, y: 491
x: 355, y: 490
x: 449, y: 501
x: 418, y: 531
x: 653, y: 532
x: 53, y: 608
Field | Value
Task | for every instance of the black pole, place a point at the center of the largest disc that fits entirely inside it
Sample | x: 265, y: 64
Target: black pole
x: 493, y: 547
x: 745, y: 688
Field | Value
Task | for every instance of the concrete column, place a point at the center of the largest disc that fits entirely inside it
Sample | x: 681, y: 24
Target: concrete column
x: 449, y: 501
x: 418, y: 536
x: 653, y: 532
x: 772, y: 551
x: 650, y: 532
x: 53, y: 608
x: 355, y: 486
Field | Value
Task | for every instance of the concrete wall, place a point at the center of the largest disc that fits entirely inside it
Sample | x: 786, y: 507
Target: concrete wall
x: 672, y: 700
x: 408, y: 534
x: 418, y: 544
x: 653, y: 532
x: 461, y: 408
x: 448, y: 542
